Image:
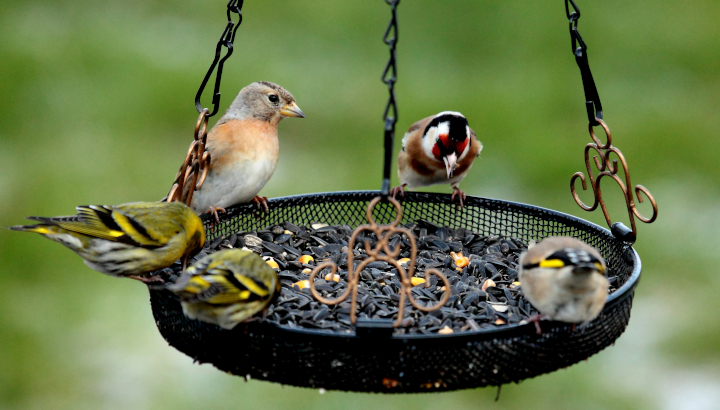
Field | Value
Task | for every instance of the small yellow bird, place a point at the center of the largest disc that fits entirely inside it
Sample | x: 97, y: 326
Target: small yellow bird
x: 128, y: 240
x: 226, y: 287
x: 244, y: 147
x: 564, y: 280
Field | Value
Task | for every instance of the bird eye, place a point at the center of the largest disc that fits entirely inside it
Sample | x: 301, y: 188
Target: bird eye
x: 273, y: 98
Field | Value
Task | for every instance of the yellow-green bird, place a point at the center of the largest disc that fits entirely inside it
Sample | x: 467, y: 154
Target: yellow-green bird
x: 128, y: 240
x: 226, y: 287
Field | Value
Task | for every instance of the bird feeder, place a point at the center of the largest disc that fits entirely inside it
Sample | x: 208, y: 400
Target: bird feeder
x: 373, y: 357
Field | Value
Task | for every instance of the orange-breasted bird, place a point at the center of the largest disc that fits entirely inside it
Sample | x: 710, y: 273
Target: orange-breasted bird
x: 244, y: 147
x: 435, y: 150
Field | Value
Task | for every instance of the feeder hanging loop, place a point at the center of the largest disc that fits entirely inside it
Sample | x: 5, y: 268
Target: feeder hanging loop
x: 389, y: 77
x: 592, y: 99
x: 226, y: 40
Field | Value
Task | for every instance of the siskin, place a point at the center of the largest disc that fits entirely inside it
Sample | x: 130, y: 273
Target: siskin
x: 128, y: 240
x: 226, y: 287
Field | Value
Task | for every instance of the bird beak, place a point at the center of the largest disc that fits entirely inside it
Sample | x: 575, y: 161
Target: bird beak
x: 292, y: 110
x: 450, y: 161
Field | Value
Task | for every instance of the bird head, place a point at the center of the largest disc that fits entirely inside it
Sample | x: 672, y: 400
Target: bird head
x: 447, y: 138
x: 578, y: 261
x: 264, y: 101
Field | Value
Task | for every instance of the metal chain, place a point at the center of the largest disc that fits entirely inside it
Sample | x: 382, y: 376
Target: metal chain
x: 592, y: 99
x: 226, y: 40
x: 192, y: 172
x: 389, y: 77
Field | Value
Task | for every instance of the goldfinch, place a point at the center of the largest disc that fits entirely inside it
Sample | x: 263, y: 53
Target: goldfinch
x: 127, y: 240
x: 435, y: 150
x: 226, y: 287
x: 244, y: 147
x: 564, y: 280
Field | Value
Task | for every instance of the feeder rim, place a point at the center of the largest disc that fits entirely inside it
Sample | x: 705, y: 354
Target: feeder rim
x: 622, y: 293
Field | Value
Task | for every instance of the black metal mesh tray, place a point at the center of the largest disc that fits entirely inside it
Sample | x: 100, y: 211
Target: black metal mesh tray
x: 380, y: 362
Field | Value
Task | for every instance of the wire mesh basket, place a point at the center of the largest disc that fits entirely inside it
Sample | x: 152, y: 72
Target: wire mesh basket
x: 373, y: 360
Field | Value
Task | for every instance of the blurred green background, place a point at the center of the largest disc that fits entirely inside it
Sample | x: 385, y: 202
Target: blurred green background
x: 97, y: 108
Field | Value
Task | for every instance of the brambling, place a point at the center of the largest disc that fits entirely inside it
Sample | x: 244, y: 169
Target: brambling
x: 564, y: 280
x: 435, y: 150
x: 226, y: 287
x: 244, y: 147
x: 128, y: 240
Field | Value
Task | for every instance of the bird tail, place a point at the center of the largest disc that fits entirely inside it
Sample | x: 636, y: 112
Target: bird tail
x: 40, y: 228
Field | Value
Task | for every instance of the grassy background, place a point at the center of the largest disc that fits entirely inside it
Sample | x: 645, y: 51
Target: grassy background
x: 97, y: 103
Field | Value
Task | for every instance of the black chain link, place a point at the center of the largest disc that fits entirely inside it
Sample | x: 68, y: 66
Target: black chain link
x: 592, y: 99
x: 389, y: 77
x: 226, y: 40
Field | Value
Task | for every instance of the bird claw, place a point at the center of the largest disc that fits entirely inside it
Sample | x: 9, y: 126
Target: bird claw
x: 398, y: 189
x: 536, y: 320
x: 460, y: 195
x: 149, y: 280
x: 262, y: 203
x: 214, y: 211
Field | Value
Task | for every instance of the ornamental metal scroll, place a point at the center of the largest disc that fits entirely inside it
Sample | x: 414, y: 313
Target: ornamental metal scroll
x: 194, y: 170
x: 381, y: 252
x: 610, y: 169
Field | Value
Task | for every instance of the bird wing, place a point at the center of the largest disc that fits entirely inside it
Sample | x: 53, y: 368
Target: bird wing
x: 222, y: 286
x: 105, y: 222
x: 93, y: 221
x: 475, y: 145
x: 416, y: 129
x: 151, y: 223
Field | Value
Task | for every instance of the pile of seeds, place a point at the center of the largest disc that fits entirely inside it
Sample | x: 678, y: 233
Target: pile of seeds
x: 482, y: 271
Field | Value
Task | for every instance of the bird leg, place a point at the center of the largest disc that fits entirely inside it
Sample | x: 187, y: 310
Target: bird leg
x: 398, y: 189
x: 262, y: 203
x: 214, y: 211
x: 536, y: 320
x: 148, y: 280
x: 460, y: 195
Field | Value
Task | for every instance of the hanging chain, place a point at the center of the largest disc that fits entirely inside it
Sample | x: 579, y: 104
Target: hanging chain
x: 194, y: 170
x: 592, y: 99
x: 604, y: 150
x: 226, y: 40
x: 389, y: 77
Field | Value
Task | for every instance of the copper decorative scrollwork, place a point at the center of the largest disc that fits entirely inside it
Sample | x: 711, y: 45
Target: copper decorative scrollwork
x: 194, y: 169
x: 610, y: 169
x: 381, y: 252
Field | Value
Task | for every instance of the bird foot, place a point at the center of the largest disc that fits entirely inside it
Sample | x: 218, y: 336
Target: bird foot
x: 262, y: 203
x: 398, y: 189
x: 214, y: 211
x: 536, y: 320
x: 460, y: 195
x: 148, y: 280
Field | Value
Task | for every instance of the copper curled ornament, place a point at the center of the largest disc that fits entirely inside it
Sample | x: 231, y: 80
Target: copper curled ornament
x: 381, y: 252
x: 610, y: 169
